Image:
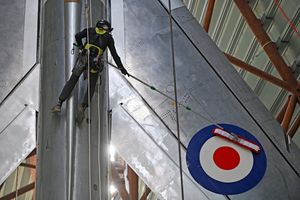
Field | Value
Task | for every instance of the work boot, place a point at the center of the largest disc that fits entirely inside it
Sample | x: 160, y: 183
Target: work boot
x: 80, y: 114
x: 56, y: 108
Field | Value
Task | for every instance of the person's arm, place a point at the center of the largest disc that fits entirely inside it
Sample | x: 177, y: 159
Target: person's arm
x: 117, y: 59
x: 79, y: 36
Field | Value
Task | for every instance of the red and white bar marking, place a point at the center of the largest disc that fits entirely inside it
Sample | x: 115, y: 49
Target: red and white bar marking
x: 237, y: 139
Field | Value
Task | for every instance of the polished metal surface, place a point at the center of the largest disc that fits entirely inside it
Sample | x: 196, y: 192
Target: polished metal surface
x: 147, y: 145
x: 174, y: 4
x: 12, y: 14
x: 232, y: 35
x: 18, y: 31
x: 17, y: 141
x: 19, y: 83
x: 244, y: 94
x: 72, y: 25
x: 18, y: 134
x: 72, y: 158
x: 52, y: 143
x: 91, y: 143
x: 143, y: 125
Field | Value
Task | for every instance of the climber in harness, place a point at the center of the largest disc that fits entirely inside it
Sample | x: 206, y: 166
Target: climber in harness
x: 99, y: 38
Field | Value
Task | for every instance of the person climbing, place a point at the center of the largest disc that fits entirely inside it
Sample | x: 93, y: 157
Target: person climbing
x: 97, y: 39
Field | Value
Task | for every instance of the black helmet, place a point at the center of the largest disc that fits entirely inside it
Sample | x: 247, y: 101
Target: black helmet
x: 104, y: 24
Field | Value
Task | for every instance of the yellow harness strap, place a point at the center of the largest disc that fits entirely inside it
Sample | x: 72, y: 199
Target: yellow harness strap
x: 88, y: 46
x: 99, y: 31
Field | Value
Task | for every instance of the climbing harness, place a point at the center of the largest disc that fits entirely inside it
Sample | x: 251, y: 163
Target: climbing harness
x: 88, y: 46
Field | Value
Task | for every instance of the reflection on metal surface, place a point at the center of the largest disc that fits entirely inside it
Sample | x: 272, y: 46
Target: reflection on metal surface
x: 52, y: 140
x: 17, y: 141
x: 19, y: 83
x: 154, y: 153
x: 72, y: 18
x: 26, y: 93
x: 174, y: 3
x: 206, y: 82
x: 19, y: 37
x: 83, y: 178
x: 21, y: 103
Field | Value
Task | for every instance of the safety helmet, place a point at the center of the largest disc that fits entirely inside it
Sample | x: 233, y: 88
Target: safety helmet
x: 104, y: 24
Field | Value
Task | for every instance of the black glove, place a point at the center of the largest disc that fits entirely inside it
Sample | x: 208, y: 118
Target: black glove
x: 124, y: 71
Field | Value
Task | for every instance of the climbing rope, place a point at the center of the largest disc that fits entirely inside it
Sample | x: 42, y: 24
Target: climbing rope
x: 186, y: 107
x: 88, y: 20
x: 159, y: 146
x: 17, y: 181
x: 175, y: 94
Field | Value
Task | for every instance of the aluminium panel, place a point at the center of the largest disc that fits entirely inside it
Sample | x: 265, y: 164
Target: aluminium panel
x: 18, y: 31
x: 206, y: 82
x: 17, y: 141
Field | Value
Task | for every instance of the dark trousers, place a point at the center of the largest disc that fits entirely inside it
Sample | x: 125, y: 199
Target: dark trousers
x: 76, y: 72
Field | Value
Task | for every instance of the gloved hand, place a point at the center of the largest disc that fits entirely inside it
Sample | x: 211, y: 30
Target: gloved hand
x: 124, y: 71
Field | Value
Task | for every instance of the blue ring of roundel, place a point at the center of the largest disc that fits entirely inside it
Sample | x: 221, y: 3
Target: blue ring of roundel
x: 192, y: 158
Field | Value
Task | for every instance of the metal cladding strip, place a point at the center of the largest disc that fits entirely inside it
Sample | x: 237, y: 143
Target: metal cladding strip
x: 95, y: 173
x: 153, y: 155
x: 19, y: 58
x: 72, y: 25
x: 99, y: 123
x: 21, y: 79
x: 52, y: 151
x: 145, y: 142
x: 20, y: 104
x: 17, y: 141
x: 12, y: 14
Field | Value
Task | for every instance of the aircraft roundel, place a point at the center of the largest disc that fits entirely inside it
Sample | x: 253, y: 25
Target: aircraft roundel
x: 222, y: 166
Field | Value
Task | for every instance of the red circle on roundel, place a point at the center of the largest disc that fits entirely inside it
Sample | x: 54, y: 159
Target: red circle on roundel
x: 226, y: 158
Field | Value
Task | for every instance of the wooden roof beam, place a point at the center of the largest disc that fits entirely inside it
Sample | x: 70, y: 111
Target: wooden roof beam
x: 268, y: 45
x: 262, y: 74
x: 133, y: 183
x: 18, y: 192
x: 208, y: 14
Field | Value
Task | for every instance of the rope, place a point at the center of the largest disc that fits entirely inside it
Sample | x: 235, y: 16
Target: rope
x: 287, y: 18
x: 188, y: 108
x: 99, y: 133
x: 88, y: 19
x: 176, y: 105
x: 269, y: 42
x: 159, y: 146
x: 17, y: 180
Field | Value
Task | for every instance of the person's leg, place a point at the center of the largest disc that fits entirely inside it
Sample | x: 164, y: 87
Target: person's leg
x: 66, y: 91
x: 68, y: 88
x: 70, y: 84
x: 92, y: 86
x: 93, y: 77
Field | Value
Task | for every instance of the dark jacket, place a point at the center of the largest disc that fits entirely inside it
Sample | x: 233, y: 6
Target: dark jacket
x: 100, y: 40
